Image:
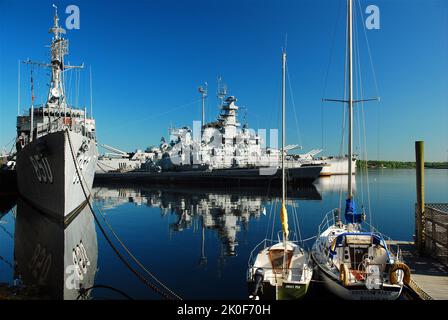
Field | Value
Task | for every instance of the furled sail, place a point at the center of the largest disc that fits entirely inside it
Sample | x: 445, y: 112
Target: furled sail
x: 284, y: 219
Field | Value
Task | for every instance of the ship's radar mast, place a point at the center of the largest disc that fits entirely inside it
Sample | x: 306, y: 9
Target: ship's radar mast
x: 203, y: 91
x: 59, y: 48
x: 221, y: 92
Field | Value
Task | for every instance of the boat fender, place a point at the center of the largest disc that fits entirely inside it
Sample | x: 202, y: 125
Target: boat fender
x: 343, y: 274
x: 393, y: 278
x: 258, y: 278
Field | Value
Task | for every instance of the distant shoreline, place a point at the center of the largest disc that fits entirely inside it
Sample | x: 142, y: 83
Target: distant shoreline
x: 381, y: 164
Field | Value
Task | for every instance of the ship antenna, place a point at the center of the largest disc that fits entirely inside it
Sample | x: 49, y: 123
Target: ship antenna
x: 91, y: 97
x: 221, y: 92
x: 203, y: 91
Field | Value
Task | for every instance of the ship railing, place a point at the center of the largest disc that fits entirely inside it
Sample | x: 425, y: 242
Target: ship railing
x: 327, y: 221
x: 59, y: 124
x: 280, y: 270
x: 263, y: 244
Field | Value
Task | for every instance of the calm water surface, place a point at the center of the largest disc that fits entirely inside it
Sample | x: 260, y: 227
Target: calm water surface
x: 197, y: 241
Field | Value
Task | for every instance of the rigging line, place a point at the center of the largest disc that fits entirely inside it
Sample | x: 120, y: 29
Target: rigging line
x: 293, y: 105
x: 359, y: 93
x: 310, y: 238
x: 344, y: 106
x: 70, y: 92
x: 328, y: 70
x: 365, y: 144
x: 274, y: 220
x: 78, y: 73
x: 7, y: 232
x: 370, y: 54
x: 140, y: 119
x: 7, y: 262
x: 296, y: 217
x: 10, y: 142
x: 134, y: 258
x: 374, y: 79
x: 142, y: 278
x: 269, y: 221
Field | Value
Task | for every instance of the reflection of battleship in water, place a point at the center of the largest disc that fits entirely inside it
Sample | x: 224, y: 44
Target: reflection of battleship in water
x: 55, y: 258
x: 222, y: 210
x: 334, y: 184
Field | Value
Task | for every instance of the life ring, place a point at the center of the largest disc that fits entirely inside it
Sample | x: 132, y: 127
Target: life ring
x: 393, y: 279
x: 343, y: 274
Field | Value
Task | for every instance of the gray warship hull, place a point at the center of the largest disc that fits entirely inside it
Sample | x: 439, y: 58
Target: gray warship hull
x: 232, y: 177
x: 46, y: 172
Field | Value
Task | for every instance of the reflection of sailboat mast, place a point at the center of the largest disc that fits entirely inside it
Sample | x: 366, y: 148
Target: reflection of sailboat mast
x: 221, y: 259
x: 203, y: 259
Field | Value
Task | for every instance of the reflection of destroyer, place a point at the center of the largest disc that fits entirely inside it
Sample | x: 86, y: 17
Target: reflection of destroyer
x: 55, y: 258
x: 50, y: 138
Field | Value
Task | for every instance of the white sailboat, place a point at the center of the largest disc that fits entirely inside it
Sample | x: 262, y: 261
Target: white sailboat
x: 354, y: 263
x: 280, y: 269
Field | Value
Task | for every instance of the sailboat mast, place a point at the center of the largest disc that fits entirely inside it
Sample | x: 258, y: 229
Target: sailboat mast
x: 350, y: 101
x: 283, y: 124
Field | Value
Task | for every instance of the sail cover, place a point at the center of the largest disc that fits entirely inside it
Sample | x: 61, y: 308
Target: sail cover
x: 284, y: 219
x: 351, y: 216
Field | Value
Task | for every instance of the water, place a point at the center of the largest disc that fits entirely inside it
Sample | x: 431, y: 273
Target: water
x: 197, y: 241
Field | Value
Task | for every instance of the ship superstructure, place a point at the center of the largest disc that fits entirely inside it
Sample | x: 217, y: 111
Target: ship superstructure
x: 222, y: 144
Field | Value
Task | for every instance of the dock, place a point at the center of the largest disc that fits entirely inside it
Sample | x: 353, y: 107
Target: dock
x: 428, y: 256
x: 429, y: 276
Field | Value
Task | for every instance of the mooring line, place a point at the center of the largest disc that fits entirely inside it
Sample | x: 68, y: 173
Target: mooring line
x: 83, y: 292
x: 141, y: 277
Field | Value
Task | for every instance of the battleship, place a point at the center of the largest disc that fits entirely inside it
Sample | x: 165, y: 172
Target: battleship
x: 56, y: 143
x: 221, y: 149
x: 218, y: 146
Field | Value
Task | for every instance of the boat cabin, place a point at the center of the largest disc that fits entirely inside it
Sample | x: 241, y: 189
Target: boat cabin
x: 357, y: 250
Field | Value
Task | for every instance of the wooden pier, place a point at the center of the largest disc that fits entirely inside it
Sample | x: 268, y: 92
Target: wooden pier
x: 429, y: 277
x: 428, y: 256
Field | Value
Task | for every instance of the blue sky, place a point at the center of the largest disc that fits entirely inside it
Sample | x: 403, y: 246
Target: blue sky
x: 149, y: 57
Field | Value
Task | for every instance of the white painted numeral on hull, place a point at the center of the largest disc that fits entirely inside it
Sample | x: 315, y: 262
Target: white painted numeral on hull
x: 42, y: 169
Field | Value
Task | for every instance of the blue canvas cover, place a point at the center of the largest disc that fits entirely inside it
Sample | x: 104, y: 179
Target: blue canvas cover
x: 351, y: 216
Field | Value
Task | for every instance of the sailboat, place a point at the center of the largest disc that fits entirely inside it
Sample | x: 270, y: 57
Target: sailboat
x: 280, y: 269
x: 56, y: 143
x: 354, y: 263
